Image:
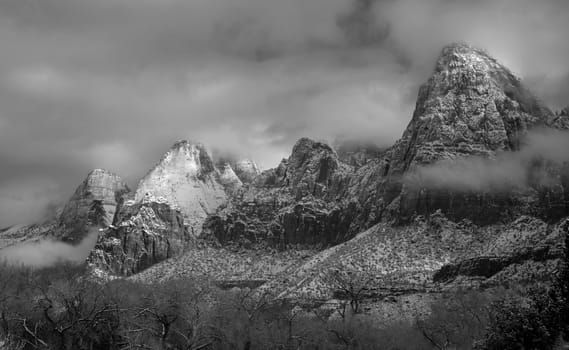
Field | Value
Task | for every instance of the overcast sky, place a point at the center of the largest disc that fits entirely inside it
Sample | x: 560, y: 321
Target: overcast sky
x: 113, y: 83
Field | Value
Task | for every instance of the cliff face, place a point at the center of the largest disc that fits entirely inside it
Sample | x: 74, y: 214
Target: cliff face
x: 473, y: 106
x: 146, y: 233
x: 293, y: 204
x: 94, y: 203
x: 187, y: 179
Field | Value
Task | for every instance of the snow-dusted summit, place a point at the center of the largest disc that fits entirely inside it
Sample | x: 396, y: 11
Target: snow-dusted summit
x: 187, y: 179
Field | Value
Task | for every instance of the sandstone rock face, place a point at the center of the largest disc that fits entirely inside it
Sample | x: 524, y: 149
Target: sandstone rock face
x: 313, y: 169
x: 187, y: 179
x: 293, y: 204
x: 146, y: 233
x: 472, y: 106
x: 94, y: 203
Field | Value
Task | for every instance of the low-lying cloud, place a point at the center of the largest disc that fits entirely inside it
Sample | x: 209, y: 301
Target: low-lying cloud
x: 49, y: 252
x: 508, y: 170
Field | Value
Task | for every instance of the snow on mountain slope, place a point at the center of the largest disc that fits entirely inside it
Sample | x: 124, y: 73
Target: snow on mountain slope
x: 187, y: 179
x: 399, y: 259
x: 222, y: 264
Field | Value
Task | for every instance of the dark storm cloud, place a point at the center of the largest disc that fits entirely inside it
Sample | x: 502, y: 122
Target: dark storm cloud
x: 113, y: 83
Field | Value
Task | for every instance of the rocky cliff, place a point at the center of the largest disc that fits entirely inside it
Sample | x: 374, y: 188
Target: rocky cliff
x: 472, y: 106
x: 293, y: 204
x: 94, y: 203
x: 145, y: 233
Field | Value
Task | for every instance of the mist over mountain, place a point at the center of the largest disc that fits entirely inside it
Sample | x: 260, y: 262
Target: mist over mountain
x: 505, y: 171
x: 49, y: 252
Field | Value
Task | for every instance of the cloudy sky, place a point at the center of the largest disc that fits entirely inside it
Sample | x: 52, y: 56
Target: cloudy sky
x: 113, y: 83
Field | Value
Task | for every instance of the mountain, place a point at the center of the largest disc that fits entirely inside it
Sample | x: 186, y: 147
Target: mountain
x: 187, y: 179
x: 355, y: 209
x: 293, y: 204
x: 94, y: 201
x: 165, y: 215
x: 354, y: 206
x: 166, y: 212
x: 472, y: 106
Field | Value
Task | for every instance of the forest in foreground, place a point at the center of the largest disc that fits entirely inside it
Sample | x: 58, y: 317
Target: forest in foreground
x: 65, y: 307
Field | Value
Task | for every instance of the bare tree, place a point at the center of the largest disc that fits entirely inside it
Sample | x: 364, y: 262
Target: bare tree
x: 78, y: 313
x: 350, y: 285
x: 170, y: 315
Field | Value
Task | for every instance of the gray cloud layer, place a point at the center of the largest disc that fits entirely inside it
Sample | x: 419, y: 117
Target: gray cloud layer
x: 113, y: 84
x: 505, y: 171
x: 48, y: 252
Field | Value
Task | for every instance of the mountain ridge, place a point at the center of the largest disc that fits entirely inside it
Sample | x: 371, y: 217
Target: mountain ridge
x: 191, y: 206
